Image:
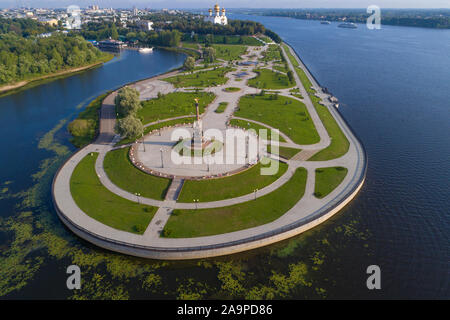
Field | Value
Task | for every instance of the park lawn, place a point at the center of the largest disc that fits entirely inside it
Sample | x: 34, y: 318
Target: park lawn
x: 290, y: 56
x: 229, y: 52
x: 268, y: 79
x: 328, y: 179
x: 287, y: 114
x: 305, y: 81
x: 201, y: 79
x: 126, y: 176
x: 104, y: 206
x: 265, y: 39
x: 190, y: 45
x: 284, y: 152
x: 173, y: 104
x: 339, y: 143
x: 206, y: 222
x: 273, y: 53
x: 156, y: 126
x: 229, y: 187
x: 221, y: 108
x: 281, y: 67
x: 244, y: 124
x: 85, y: 127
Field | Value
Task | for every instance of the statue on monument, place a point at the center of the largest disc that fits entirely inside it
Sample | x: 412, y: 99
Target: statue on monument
x: 198, y: 126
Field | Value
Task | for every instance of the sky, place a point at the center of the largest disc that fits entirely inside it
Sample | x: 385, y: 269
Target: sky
x: 158, y: 4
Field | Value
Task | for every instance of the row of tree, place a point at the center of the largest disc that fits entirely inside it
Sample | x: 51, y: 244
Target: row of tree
x: 25, y: 58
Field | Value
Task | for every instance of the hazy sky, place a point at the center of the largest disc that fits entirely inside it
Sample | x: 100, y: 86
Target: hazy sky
x: 232, y: 3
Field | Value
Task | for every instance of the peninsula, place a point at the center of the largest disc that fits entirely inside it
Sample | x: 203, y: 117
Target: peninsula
x: 126, y: 192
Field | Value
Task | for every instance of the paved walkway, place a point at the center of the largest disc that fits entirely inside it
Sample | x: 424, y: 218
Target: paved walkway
x: 309, y: 206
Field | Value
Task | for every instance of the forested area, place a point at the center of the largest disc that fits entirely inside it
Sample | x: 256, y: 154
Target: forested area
x: 23, y: 27
x: 26, y: 58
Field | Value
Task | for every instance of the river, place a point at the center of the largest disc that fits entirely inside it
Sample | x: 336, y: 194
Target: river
x: 393, y: 85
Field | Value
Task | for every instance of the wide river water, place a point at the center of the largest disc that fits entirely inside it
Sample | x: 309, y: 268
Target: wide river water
x: 394, y: 89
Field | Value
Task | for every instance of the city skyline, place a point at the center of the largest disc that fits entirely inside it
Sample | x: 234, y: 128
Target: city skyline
x: 158, y: 4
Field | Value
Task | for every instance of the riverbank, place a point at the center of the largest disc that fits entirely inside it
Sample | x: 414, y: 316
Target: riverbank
x: 21, y: 85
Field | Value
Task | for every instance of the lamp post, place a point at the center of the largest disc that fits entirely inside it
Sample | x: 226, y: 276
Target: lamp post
x: 162, y: 161
x: 137, y: 196
x: 196, y: 203
x: 143, y: 142
x: 255, y: 191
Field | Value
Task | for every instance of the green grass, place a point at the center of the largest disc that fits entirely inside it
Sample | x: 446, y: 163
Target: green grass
x: 284, y: 152
x: 200, y: 79
x: 229, y: 187
x: 265, y: 39
x: 232, y: 89
x: 328, y: 179
x: 206, y: 222
x: 287, y: 114
x: 104, y: 206
x: 190, y: 45
x: 268, y: 79
x: 229, y: 52
x: 305, y: 81
x: 281, y: 68
x: 126, y: 176
x: 339, y: 143
x: 255, y: 126
x: 290, y: 56
x: 273, y: 53
x: 84, y: 128
x: 173, y: 105
x: 221, y: 108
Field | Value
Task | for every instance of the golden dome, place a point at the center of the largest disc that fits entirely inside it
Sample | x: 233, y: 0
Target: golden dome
x: 216, y: 7
x: 210, y: 10
x: 223, y: 9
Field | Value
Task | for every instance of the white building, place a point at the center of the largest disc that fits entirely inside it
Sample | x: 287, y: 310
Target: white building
x: 217, y: 18
x: 145, y: 25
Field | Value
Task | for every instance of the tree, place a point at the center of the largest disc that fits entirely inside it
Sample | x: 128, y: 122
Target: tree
x: 189, y: 64
x: 290, y: 75
x: 129, y: 127
x: 127, y: 101
x: 209, y: 54
x: 114, y: 33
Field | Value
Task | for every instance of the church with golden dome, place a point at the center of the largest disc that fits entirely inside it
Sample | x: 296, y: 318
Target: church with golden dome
x: 217, y: 18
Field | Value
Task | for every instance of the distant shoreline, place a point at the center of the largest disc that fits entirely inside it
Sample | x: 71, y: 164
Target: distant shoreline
x: 10, y: 88
x: 383, y: 21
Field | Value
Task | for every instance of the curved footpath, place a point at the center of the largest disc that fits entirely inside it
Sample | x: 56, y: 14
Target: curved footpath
x: 306, y: 214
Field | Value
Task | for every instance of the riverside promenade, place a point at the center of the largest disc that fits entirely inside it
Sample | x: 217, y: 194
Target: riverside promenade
x: 304, y: 215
